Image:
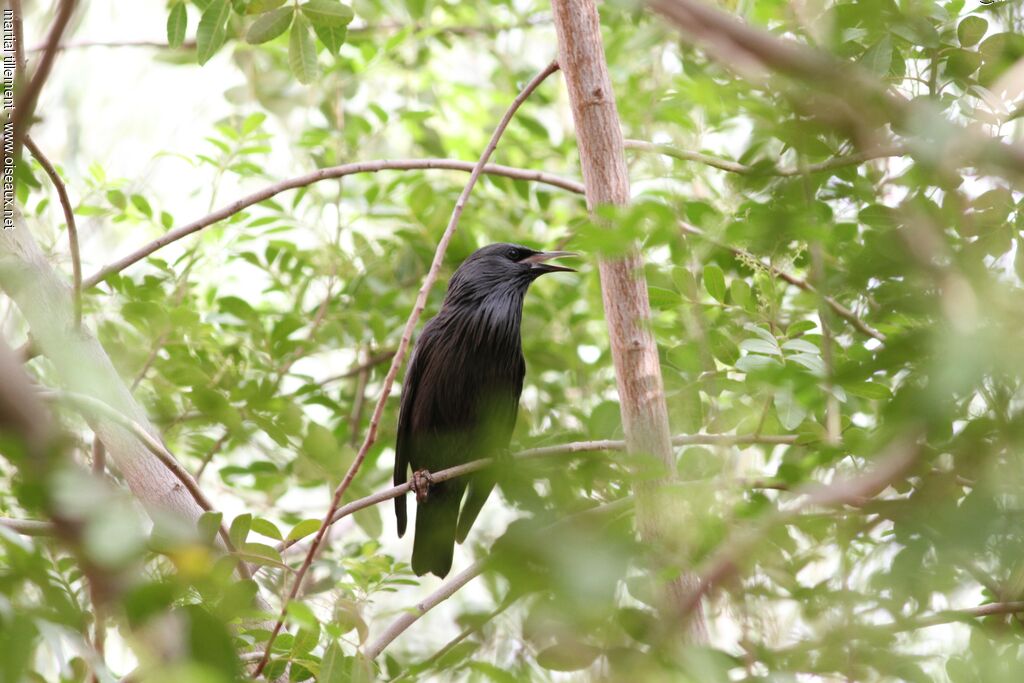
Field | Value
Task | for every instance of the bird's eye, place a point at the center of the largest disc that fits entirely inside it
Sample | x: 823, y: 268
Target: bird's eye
x: 514, y: 254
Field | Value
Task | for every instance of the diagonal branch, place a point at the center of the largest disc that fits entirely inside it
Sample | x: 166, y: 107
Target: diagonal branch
x: 314, y: 177
x: 403, y: 346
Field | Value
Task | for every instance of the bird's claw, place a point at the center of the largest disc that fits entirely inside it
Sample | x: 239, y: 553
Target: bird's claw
x: 421, y: 481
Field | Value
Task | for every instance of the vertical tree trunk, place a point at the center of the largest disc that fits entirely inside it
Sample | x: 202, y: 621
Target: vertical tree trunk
x: 623, y: 287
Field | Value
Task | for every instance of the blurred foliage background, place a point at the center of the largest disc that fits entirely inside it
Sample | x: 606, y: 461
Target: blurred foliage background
x: 829, y: 293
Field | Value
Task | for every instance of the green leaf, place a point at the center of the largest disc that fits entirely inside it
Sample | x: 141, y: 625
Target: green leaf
x: 335, y: 667
x: 714, y: 282
x: 302, y: 52
x: 213, y: 29
x: 333, y: 37
x: 140, y: 203
x: 303, y: 529
x: 266, y: 528
x: 240, y: 529
x: 971, y: 30
x: 209, y: 525
x: 270, y: 25
x: 327, y: 13
x: 177, y: 22
x: 760, y: 346
x: 568, y: 655
x: 790, y: 413
x: 878, y: 59
x: 261, y: 6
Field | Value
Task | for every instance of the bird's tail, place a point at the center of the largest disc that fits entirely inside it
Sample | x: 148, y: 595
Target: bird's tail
x: 436, y: 520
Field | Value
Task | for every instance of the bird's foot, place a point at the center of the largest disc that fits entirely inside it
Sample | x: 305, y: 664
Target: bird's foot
x: 420, y: 485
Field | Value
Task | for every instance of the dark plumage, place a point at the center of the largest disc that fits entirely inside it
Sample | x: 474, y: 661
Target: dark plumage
x: 461, y: 395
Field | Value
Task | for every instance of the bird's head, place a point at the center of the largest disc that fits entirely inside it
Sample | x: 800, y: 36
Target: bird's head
x: 502, y: 268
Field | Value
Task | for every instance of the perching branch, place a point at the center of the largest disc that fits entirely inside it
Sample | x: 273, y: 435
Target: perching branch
x: 745, y: 255
x: 546, y: 452
x: 403, y: 346
x: 314, y: 177
x: 69, y: 218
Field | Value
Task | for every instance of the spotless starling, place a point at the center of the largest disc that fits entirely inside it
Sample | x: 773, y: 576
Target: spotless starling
x: 461, y: 395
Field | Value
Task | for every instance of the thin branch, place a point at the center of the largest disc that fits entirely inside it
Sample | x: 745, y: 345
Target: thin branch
x: 411, y: 616
x: 359, y: 369
x: 28, y: 527
x: 214, y: 449
x: 953, y: 615
x: 314, y: 177
x: 69, y: 218
x: 403, y: 346
x: 745, y: 255
x: 743, y: 169
x: 86, y: 403
x: 452, y: 586
x: 86, y: 44
x: 25, y: 104
x: 545, y: 452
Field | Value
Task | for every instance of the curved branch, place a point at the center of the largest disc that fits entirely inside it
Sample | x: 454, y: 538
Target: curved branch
x: 69, y: 218
x: 743, y: 169
x: 403, y: 346
x: 317, y: 176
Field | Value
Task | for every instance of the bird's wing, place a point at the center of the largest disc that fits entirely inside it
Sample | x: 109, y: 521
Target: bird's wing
x: 481, y: 485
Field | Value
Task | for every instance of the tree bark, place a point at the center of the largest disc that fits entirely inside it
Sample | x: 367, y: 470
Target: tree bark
x: 623, y: 287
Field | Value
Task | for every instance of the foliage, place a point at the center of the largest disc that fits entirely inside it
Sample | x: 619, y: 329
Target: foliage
x: 236, y: 336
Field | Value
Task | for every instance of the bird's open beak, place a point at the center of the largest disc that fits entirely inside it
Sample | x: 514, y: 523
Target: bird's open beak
x: 540, y: 261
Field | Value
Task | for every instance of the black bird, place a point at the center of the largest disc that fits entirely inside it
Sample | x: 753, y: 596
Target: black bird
x: 461, y: 395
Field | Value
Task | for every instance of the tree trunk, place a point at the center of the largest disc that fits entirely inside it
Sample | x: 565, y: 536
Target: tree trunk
x: 623, y: 287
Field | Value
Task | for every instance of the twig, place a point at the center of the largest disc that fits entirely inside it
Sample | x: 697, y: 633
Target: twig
x: 89, y: 404
x: 217, y: 445
x: 85, y: 44
x: 316, y: 176
x: 396, y: 362
x: 26, y: 102
x: 69, y: 218
x: 745, y: 255
x: 743, y: 169
x: 357, y: 370
x: 544, y: 452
